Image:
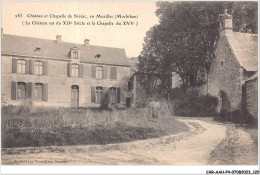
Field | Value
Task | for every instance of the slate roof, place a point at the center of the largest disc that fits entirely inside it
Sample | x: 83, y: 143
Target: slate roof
x: 245, y: 48
x: 25, y: 46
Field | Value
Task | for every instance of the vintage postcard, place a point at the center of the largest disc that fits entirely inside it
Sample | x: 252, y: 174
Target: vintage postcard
x: 130, y: 83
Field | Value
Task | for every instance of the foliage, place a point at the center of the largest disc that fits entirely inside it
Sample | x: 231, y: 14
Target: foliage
x: 61, y: 136
x: 237, y: 116
x: 245, y: 16
x: 190, y: 103
x: 185, y: 40
x: 66, y: 126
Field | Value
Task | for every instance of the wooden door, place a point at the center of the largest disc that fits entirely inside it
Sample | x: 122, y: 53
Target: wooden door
x: 74, y: 96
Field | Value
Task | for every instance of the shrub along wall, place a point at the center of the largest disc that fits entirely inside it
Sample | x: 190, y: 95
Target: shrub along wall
x: 190, y: 103
x: 237, y: 116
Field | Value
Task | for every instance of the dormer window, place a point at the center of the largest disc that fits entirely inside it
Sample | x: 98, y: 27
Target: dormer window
x: 98, y: 56
x: 37, y: 49
x: 74, y: 53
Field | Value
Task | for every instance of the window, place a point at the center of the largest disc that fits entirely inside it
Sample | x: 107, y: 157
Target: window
x: 21, y: 86
x: 38, y: 49
x: 21, y: 66
x: 112, y: 95
x: 98, y: 94
x: 130, y: 85
x: 74, y: 70
x: 38, y: 91
x: 38, y: 67
x: 99, y: 72
x: 113, y: 73
x: 98, y: 56
x: 75, y: 54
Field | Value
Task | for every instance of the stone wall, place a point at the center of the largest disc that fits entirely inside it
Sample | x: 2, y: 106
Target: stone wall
x: 59, y: 84
x: 225, y: 76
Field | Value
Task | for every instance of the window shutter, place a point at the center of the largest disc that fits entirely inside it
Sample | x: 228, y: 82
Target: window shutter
x: 115, y: 73
x: 45, y: 92
x: 32, y: 91
x: 111, y: 73
x: 28, y: 92
x: 93, y: 71
x: 104, y: 72
x: 104, y: 95
x: 108, y: 95
x: 93, y: 94
x: 31, y: 65
x: 45, y: 68
x: 13, y: 90
x: 69, y: 70
x: 118, y: 95
x: 14, y: 65
x: 27, y: 67
x: 81, y: 70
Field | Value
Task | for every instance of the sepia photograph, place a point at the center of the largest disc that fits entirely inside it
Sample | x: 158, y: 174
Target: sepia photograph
x: 130, y: 83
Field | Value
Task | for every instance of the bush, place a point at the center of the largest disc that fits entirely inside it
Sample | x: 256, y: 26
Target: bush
x: 158, y: 109
x: 237, y: 116
x: 76, y: 136
x: 67, y: 126
x: 190, y: 103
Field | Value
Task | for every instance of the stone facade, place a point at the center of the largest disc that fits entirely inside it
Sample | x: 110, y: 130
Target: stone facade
x: 251, y: 96
x: 225, y: 76
x: 136, y: 93
x: 235, y: 62
x: 57, y: 78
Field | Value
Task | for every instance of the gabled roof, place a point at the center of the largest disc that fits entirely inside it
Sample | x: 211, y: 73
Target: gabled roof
x: 25, y: 46
x: 245, y: 48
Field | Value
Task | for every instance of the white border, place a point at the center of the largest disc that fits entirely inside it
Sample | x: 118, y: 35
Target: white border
x: 123, y: 169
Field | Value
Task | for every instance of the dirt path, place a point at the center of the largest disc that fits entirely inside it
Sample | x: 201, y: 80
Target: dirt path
x: 237, y: 148
x: 195, y: 147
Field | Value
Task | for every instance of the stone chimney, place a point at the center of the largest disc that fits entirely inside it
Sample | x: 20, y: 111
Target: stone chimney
x: 58, y: 39
x: 86, y: 42
x: 226, y: 22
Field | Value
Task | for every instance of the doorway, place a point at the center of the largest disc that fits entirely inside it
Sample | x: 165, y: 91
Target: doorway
x: 75, y: 96
x: 128, y: 102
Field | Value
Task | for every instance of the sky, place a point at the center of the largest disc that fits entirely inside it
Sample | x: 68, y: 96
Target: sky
x: 129, y: 37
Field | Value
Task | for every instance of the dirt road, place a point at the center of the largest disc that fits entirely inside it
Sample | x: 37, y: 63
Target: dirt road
x: 205, y: 143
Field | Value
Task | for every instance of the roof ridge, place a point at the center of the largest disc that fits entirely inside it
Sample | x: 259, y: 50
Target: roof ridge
x: 23, y: 45
x: 29, y: 37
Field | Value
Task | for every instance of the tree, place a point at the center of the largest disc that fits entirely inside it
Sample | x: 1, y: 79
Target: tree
x: 184, y: 42
x: 245, y: 16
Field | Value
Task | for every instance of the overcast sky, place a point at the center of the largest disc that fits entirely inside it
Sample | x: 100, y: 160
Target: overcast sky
x: 128, y: 37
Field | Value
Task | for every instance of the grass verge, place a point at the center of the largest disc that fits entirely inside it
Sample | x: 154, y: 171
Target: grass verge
x: 84, y: 126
